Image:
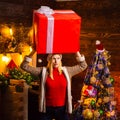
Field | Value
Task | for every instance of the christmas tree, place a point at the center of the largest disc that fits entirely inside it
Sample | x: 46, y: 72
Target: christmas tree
x: 97, y: 100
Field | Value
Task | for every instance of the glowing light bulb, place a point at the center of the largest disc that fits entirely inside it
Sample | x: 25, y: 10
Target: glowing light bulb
x: 30, y: 49
x: 21, y: 58
x: 11, y: 31
x: 5, y: 58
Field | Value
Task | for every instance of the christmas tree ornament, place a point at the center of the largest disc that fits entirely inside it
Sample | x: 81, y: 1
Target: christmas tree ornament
x: 99, y: 46
x: 100, y: 66
x: 108, y: 63
x: 106, y: 99
x: 106, y: 56
x: 96, y: 72
x: 107, y: 81
x: 92, y: 102
x: 108, y: 114
x: 98, y: 105
x: 92, y: 80
x: 112, y: 113
x: 111, y: 90
x: 88, y: 114
x: 101, y: 112
x: 113, y: 103
x: 90, y: 91
x: 96, y: 114
x: 85, y: 93
x: 112, y: 80
x: 99, y: 100
x: 87, y: 102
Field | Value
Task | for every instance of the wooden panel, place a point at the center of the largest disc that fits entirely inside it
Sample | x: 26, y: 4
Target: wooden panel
x: 8, y: 9
x: 100, y: 20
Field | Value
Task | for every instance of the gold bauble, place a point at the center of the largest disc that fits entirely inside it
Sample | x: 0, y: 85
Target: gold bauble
x: 87, y: 101
x: 106, y: 99
x: 96, y: 72
x: 84, y: 88
x: 111, y: 90
x: 96, y: 113
x: 92, y: 80
x: 113, y: 103
x: 108, y: 63
x: 97, y: 105
x: 107, y: 81
x: 108, y: 114
x: 112, y: 112
x: 100, y: 66
x: 99, y: 100
x: 88, y: 114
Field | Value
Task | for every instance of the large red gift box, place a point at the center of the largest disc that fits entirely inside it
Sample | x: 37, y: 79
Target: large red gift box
x: 56, y: 31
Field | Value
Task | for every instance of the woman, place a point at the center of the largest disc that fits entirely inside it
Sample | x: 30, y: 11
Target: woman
x: 55, y: 89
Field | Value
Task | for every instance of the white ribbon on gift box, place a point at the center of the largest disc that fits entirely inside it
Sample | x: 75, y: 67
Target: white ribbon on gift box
x: 50, y: 33
x: 50, y: 28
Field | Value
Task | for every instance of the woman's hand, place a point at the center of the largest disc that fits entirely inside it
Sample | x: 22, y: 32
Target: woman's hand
x: 79, y: 56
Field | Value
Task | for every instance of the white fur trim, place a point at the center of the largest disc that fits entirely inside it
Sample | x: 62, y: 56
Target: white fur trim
x: 101, y: 50
x: 97, y: 42
x: 68, y: 90
x: 28, y: 59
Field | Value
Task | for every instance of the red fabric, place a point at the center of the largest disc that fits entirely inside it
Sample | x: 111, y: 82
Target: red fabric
x: 56, y: 90
x: 40, y: 26
x: 66, y: 32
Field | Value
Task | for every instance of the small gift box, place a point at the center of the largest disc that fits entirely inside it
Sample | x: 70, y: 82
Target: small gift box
x: 56, y: 31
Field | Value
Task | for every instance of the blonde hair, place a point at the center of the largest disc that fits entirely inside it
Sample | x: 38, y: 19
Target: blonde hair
x: 50, y: 68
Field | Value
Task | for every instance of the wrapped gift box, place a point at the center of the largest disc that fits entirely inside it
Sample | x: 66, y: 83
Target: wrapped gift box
x: 56, y: 31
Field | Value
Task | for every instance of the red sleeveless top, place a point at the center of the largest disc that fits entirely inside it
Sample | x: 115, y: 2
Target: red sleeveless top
x: 56, y: 89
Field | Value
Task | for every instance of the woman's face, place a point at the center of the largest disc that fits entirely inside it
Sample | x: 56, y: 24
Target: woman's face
x: 56, y: 60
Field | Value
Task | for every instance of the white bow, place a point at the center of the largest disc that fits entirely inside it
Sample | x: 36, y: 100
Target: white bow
x: 45, y: 10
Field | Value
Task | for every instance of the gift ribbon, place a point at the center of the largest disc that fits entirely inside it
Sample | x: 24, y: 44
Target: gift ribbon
x: 50, y: 32
x: 50, y: 28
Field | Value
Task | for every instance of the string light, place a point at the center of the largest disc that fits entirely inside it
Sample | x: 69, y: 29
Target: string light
x: 11, y: 31
x: 13, y: 39
x: 5, y: 58
x: 31, y: 49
